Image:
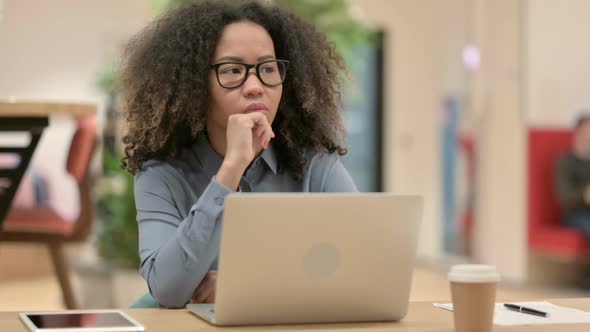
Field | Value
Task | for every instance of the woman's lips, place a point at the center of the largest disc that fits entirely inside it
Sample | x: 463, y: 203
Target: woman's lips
x: 256, y: 107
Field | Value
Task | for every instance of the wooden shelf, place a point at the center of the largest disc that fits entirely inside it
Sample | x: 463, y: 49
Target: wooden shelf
x: 44, y: 109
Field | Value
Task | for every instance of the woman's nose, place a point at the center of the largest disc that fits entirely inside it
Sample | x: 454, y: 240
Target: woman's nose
x: 253, y: 84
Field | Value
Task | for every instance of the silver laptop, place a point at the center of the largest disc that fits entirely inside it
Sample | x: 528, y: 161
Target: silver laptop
x: 314, y: 258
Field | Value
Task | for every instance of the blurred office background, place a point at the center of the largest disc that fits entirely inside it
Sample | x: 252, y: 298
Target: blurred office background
x: 443, y: 101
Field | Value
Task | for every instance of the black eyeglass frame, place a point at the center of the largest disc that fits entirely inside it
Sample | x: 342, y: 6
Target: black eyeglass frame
x: 249, y: 66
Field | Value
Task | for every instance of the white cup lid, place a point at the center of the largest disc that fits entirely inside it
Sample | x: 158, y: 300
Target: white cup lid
x: 474, y: 273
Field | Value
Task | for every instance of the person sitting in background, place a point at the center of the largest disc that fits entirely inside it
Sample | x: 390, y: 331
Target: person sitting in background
x: 573, y: 179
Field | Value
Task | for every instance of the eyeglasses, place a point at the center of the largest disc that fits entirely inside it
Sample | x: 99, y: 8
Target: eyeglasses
x: 231, y: 74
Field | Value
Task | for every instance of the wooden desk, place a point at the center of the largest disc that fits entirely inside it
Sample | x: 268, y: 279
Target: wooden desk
x: 422, y: 316
x: 29, y: 117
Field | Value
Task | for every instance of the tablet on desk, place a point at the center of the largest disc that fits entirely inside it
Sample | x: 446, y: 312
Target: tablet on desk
x: 80, y: 321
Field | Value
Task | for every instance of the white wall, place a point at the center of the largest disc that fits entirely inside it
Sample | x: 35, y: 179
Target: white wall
x: 535, y: 71
x: 424, y: 43
x: 422, y: 59
x: 558, y: 61
x: 53, y: 50
x: 500, y: 229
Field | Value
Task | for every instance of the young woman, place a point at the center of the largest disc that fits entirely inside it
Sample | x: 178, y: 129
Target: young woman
x: 223, y: 97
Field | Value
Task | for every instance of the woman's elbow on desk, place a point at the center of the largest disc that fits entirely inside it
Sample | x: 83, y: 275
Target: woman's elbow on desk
x: 168, y: 296
x: 167, y: 291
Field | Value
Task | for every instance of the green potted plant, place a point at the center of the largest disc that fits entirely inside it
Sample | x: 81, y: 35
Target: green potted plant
x: 108, y: 271
x: 117, y: 230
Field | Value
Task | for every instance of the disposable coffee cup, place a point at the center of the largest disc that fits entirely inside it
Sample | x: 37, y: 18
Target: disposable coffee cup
x: 473, y: 290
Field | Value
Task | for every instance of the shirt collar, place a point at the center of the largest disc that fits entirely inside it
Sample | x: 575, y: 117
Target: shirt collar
x: 270, y: 158
x: 211, y: 160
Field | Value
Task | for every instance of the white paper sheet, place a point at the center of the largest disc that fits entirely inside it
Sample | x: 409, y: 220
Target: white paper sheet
x: 557, y: 314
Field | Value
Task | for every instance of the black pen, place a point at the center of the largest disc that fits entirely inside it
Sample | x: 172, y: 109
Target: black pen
x: 525, y: 310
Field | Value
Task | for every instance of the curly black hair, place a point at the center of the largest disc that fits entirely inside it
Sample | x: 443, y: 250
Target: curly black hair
x: 165, y: 83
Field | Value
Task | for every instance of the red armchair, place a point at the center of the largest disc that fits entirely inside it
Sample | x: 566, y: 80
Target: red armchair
x: 44, y: 225
x: 546, y: 234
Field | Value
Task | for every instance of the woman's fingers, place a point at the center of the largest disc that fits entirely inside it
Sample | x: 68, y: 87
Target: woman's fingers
x: 262, y: 129
x: 266, y: 137
x: 196, y: 294
x: 202, y: 293
x: 210, y: 298
x: 206, y: 290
